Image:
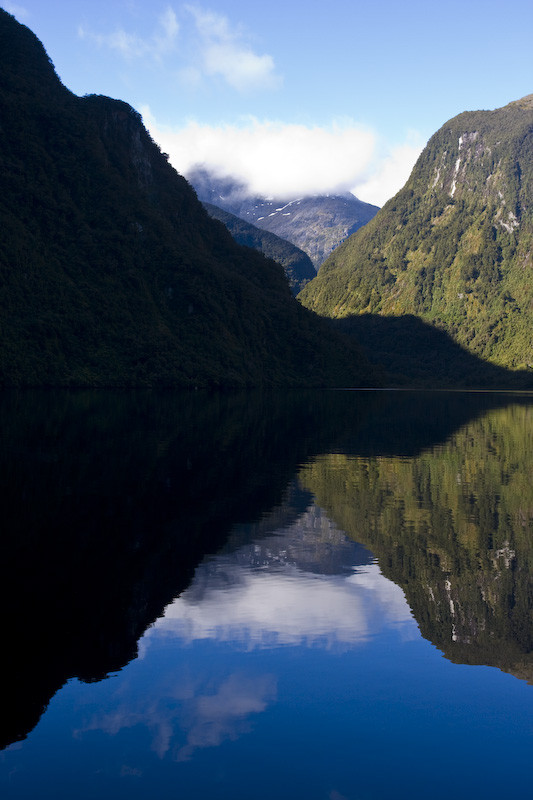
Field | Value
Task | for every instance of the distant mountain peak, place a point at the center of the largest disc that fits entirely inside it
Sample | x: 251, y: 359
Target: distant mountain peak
x: 315, y: 223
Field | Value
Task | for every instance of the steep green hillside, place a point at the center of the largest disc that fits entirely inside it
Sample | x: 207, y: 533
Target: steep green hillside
x: 453, y: 527
x: 455, y: 245
x: 111, y: 271
x: 297, y: 265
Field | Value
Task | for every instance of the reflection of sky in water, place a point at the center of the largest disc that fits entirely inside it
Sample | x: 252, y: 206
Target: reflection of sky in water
x: 258, y: 595
x: 261, y: 593
x: 290, y: 668
x: 288, y: 608
x: 185, y: 713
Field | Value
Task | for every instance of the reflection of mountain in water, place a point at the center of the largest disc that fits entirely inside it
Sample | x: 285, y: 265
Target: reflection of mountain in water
x: 111, y: 499
x: 295, y: 534
x: 109, y: 502
x: 454, y: 528
x: 302, y: 584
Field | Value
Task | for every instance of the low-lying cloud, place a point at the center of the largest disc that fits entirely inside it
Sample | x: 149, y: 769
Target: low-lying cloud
x: 283, y: 160
x: 389, y: 173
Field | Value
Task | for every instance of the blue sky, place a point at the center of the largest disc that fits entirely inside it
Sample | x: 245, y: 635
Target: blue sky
x: 294, y: 98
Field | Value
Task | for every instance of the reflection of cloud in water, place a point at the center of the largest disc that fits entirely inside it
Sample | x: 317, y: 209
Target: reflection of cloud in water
x: 190, y: 715
x: 287, y: 607
x: 290, y: 585
x: 224, y: 715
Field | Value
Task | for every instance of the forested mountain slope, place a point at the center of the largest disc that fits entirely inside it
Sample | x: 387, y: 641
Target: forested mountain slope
x: 111, y: 271
x: 297, y: 265
x: 454, y: 246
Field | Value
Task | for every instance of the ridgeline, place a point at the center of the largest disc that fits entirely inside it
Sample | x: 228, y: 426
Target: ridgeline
x: 112, y: 272
x: 297, y: 265
x: 317, y: 224
x: 454, y: 247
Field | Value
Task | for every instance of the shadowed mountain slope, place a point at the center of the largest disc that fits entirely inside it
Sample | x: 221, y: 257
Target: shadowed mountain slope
x: 112, y: 273
x: 412, y: 353
x: 297, y: 265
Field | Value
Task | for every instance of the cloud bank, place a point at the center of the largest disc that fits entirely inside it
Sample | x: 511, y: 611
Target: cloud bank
x: 285, y: 160
x: 389, y: 173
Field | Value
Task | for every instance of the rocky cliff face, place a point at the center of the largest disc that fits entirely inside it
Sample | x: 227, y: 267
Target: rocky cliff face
x: 455, y: 245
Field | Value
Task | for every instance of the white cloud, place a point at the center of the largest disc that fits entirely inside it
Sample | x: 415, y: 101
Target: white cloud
x: 390, y: 173
x: 289, y: 160
x: 215, y: 718
x: 224, y: 52
x: 212, y: 49
x: 131, y: 45
x: 165, y: 37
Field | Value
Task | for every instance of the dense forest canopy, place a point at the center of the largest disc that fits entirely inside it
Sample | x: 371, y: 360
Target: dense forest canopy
x: 112, y: 272
x: 297, y: 264
x: 454, y: 247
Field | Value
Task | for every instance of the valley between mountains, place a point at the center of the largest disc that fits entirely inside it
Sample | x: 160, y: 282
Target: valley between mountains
x: 113, y: 273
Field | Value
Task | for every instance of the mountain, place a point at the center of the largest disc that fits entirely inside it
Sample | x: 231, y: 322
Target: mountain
x: 416, y: 354
x: 112, y: 272
x: 297, y: 265
x: 454, y: 246
x: 451, y: 525
x: 138, y: 486
x: 316, y: 224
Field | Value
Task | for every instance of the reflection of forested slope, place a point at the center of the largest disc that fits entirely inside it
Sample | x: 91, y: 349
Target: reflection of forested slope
x: 454, y: 528
x: 111, y: 499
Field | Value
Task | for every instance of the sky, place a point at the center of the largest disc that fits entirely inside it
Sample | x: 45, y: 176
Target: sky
x: 292, y: 98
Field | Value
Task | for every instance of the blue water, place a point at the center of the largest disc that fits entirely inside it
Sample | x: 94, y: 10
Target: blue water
x: 291, y: 666
x: 276, y: 682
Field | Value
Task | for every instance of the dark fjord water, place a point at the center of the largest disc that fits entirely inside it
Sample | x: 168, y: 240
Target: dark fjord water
x: 318, y: 595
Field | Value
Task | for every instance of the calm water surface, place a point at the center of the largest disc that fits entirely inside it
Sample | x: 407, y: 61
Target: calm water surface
x: 321, y: 595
